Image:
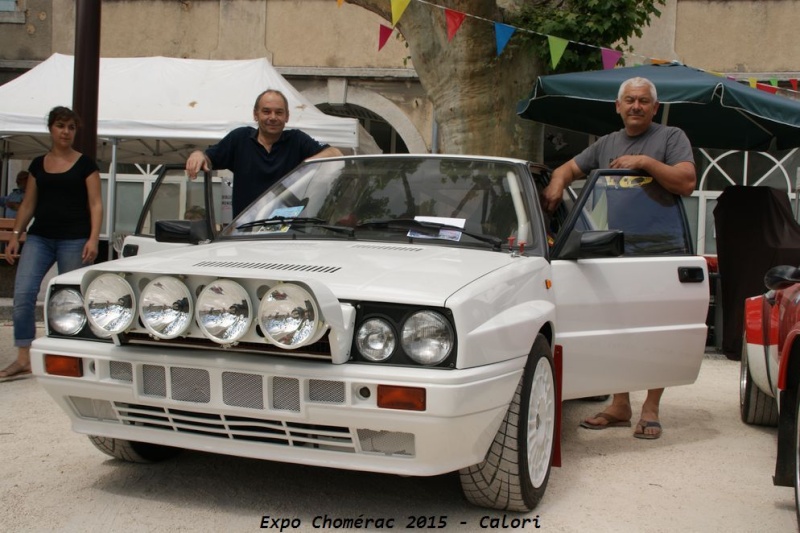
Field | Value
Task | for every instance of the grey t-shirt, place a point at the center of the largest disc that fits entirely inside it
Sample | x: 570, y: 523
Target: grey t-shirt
x: 663, y: 143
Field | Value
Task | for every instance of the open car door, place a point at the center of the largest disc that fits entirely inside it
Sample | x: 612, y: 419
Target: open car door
x: 630, y: 316
x: 177, y: 200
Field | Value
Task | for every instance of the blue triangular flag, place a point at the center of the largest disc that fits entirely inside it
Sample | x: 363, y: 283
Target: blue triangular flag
x: 502, y: 34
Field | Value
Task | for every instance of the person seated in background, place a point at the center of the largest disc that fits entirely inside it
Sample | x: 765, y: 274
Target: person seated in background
x: 12, y: 200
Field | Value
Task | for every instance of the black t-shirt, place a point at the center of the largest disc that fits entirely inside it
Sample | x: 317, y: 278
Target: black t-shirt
x: 62, y: 200
x: 254, y: 169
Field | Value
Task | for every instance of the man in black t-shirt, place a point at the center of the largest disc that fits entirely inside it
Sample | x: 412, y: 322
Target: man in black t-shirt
x: 259, y: 157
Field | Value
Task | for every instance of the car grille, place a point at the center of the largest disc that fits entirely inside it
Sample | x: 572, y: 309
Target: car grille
x: 236, y: 427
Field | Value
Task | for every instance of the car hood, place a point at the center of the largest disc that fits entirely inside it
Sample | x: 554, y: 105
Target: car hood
x: 388, y: 272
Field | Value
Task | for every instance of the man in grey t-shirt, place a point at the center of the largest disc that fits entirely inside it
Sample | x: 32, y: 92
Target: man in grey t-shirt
x: 665, y: 154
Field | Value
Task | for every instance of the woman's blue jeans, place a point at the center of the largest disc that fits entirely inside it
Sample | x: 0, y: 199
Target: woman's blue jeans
x: 38, y: 255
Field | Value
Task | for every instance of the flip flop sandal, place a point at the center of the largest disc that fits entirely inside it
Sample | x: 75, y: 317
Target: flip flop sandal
x: 613, y: 422
x: 644, y: 424
x: 15, y: 371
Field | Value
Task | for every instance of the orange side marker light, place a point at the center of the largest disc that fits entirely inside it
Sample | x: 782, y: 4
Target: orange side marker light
x: 406, y: 398
x: 62, y: 365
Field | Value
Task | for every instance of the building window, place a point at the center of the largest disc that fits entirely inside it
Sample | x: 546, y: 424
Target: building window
x: 12, y: 11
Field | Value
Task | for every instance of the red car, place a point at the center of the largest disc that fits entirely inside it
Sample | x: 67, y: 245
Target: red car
x: 769, y: 390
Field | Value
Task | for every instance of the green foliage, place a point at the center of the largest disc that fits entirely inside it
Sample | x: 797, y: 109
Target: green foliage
x: 592, y: 22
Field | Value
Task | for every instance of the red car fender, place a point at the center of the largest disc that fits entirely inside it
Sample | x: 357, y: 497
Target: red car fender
x: 754, y: 322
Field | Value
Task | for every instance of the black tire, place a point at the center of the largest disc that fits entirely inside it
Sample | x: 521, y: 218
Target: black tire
x: 134, y: 452
x: 514, y: 474
x: 756, y: 407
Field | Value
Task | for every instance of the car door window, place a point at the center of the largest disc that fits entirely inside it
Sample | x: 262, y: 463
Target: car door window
x: 651, y: 218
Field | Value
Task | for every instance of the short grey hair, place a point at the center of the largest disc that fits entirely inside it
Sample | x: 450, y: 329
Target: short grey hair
x: 636, y: 83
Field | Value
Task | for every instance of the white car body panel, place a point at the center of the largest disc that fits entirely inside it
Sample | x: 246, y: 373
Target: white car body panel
x: 658, y: 344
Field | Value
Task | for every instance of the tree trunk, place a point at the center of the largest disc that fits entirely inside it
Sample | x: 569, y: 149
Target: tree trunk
x: 473, y: 91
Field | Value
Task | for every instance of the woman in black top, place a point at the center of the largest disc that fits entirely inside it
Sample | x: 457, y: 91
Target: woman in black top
x: 63, y: 197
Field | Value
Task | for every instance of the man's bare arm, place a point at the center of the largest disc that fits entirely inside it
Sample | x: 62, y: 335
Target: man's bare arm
x: 560, y: 180
x: 677, y: 179
x: 330, y: 151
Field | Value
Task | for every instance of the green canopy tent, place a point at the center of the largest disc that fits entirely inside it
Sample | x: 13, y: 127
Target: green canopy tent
x: 715, y: 112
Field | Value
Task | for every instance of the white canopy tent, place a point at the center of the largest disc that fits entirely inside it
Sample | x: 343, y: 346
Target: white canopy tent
x: 158, y: 109
x: 163, y: 99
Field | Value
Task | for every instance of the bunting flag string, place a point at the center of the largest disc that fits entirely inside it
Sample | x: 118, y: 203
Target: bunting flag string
x: 557, y: 45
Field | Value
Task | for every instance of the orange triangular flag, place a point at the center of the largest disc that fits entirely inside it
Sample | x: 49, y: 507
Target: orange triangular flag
x: 454, y: 20
x: 386, y: 32
x: 340, y: 2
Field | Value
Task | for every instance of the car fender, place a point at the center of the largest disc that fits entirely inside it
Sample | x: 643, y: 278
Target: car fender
x: 758, y: 343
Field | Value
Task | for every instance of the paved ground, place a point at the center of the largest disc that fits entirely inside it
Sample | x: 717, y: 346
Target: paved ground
x: 709, y: 472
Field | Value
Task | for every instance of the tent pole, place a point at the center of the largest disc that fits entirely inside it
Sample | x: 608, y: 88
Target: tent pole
x: 797, y: 196
x: 4, y: 171
x: 112, y: 198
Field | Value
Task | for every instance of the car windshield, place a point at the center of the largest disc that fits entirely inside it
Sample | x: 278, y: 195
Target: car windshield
x: 442, y: 200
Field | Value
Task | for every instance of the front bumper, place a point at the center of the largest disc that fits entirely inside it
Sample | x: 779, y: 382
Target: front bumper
x: 306, y: 412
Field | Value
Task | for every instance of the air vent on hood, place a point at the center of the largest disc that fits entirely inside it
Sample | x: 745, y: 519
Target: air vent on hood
x: 387, y: 247
x: 269, y: 266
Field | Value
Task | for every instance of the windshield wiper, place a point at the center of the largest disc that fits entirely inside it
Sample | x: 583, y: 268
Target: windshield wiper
x: 311, y: 221
x: 280, y: 220
x: 405, y: 224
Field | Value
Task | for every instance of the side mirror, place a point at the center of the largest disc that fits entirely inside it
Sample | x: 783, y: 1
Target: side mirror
x: 182, y: 231
x: 593, y: 244
x: 781, y: 277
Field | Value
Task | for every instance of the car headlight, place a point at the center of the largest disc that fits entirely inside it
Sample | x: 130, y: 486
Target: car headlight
x: 224, y: 311
x: 289, y: 316
x: 110, y: 304
x: 65, y: 314
x: 166, y: 307
x: 376, y: 339
x: 427, y: 337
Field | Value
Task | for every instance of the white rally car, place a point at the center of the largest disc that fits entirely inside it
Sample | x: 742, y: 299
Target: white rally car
x: 407, y: 314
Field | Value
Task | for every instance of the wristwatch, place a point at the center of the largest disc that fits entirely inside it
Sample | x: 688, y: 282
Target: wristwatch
x: 16, y: 232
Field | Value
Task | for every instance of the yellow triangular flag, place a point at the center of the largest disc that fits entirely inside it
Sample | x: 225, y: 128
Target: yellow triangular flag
x: 398, y: 7
x: 557, y: 47
x: 753, y: 82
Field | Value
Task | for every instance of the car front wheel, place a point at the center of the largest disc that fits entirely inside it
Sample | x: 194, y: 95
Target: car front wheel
x: 756, y: 407
x: 514, y: 474
x: 134, y: 452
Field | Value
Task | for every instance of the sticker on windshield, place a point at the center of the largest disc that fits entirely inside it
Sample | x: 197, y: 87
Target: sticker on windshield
x: 446, y: 234
x: 627, y: 182
x: 284, y: 212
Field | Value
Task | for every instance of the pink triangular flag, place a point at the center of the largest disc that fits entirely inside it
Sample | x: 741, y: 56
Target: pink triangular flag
x: 610, y: 58
x: 386, y: 32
